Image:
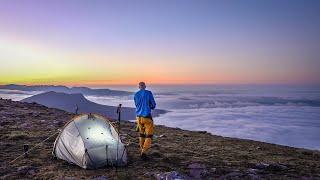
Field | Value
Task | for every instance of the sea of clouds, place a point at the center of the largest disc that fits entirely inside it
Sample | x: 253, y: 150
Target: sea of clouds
x: 285, y: 125
x: 281, y: 115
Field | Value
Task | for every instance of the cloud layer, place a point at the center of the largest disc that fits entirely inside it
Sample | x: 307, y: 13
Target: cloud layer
x: 286, y: 125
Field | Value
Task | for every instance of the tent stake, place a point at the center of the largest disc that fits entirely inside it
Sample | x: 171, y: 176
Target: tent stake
x: 25, y: 150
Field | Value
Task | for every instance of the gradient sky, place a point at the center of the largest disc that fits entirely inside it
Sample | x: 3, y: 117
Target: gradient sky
x: 104, y: 42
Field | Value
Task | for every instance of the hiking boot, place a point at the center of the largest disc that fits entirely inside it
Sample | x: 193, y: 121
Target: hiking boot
x: 143, y: 156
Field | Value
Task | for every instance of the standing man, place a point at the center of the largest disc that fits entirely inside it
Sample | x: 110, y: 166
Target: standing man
x: 144, y: 102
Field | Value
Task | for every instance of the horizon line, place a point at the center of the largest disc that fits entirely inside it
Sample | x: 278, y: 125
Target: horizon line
x: 163, y: 84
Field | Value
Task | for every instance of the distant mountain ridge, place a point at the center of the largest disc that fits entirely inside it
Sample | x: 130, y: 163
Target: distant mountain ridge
x: 68, y: 102
x: 65, y: 89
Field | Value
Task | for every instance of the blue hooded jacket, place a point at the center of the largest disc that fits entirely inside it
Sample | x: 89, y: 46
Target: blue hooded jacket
x: 144, y: 101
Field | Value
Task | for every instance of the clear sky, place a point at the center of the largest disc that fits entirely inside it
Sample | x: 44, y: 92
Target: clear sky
x: 100, y: 42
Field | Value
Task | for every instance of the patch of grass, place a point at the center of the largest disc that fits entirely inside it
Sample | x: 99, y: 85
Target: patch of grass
x: 123, y: 175
x: 17, y: 135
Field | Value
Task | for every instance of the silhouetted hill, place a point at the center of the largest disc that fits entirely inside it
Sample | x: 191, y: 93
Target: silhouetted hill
x: 64, y: 89
x: 68, y: 102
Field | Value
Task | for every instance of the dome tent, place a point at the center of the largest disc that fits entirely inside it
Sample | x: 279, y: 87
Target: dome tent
x: 90, y: 141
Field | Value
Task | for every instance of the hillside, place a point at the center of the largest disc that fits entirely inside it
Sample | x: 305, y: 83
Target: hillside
x: 64, y: 89
x: 185, y: 152
x: 68, y: 102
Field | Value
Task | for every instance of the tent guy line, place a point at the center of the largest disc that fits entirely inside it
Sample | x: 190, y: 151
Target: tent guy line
x: 35, y: 146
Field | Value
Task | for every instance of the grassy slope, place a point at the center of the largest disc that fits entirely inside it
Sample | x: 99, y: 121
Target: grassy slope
x: 31, y: 123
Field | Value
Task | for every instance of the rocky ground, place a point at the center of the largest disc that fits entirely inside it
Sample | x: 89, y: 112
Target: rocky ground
x: 175, y: 153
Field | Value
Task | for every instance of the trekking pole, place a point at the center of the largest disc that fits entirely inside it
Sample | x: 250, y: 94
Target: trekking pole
x: 119, y: 117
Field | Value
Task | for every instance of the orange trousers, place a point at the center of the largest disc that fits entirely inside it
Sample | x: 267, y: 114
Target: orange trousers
x: 146, y: 130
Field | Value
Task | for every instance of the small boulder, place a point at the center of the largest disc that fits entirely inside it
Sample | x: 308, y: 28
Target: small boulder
x: 213, y: 170
x: 31, y: 170
x: 173, y: 175
x: 251, y: 171
x: 25, y: 125
x: 277, y: 167
x: 261, y: 166
x: 196, y: 170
